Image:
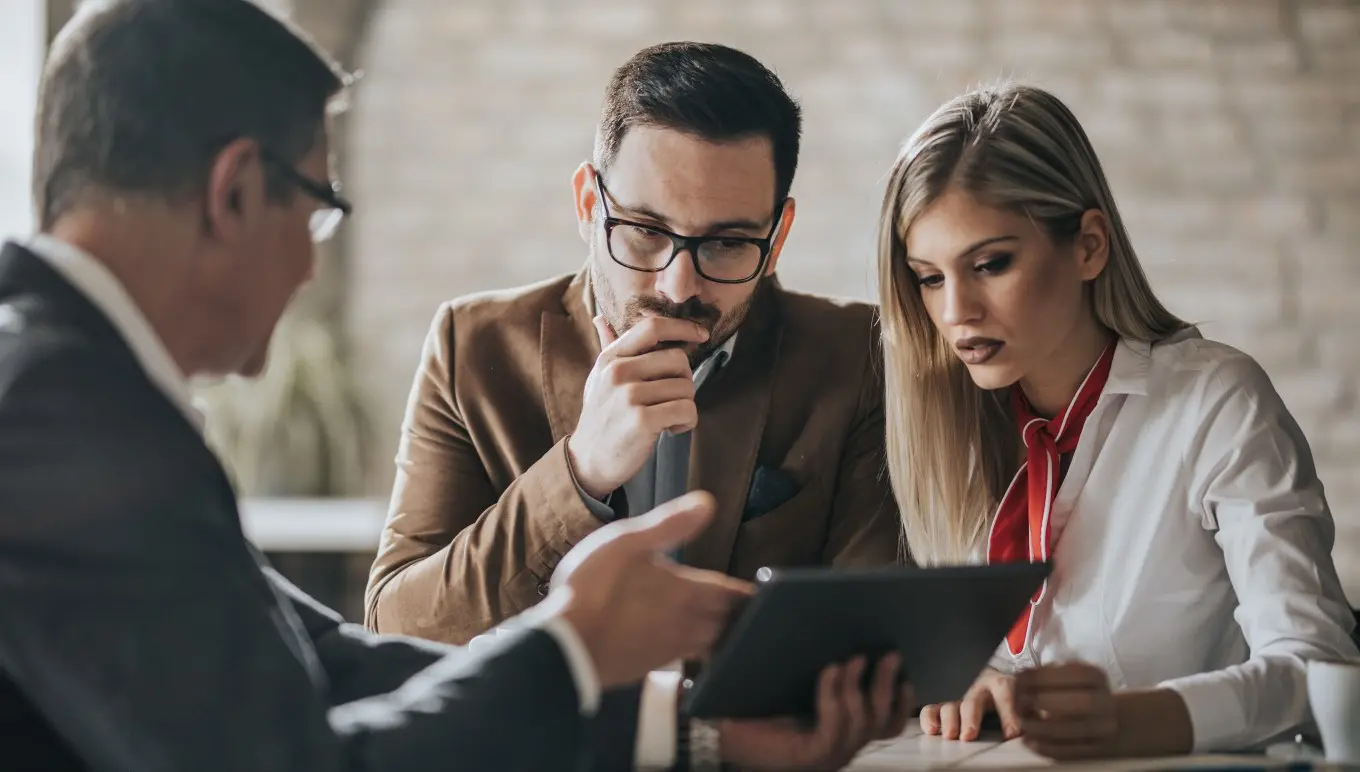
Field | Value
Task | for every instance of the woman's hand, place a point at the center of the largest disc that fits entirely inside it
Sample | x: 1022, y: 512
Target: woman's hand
x: 1070, y: 712
x: 1067, y: 711
x: 992, y: 691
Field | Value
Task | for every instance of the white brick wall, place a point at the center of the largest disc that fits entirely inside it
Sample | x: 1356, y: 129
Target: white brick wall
x: 1230, y: 131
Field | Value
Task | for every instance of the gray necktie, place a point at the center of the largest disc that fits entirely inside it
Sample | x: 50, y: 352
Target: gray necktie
x: 669, y: 462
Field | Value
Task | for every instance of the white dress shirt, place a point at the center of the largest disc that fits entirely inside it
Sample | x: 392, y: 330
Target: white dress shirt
x: 1194, y: 545
x: 93, y: 280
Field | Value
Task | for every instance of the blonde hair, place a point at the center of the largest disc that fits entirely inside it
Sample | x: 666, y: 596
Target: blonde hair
x: 952, y: 447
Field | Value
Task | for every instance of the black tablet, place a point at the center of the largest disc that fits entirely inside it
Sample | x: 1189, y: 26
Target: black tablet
x: 946, y: 622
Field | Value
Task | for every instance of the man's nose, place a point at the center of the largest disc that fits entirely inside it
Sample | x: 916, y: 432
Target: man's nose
x: 680, y: 281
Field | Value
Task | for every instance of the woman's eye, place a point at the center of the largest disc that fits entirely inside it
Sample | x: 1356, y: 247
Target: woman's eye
x: 996, y: 264
x: 930, y: 281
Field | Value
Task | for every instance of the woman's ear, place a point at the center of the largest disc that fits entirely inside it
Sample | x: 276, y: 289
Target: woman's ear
x: 1092, y: 244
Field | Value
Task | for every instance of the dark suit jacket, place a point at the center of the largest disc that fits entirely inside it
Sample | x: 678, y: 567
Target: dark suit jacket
x: 484, y: 505
x: 140, y: 631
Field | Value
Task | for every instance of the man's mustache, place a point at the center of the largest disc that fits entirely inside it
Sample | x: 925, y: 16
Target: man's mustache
x: 692, y: 309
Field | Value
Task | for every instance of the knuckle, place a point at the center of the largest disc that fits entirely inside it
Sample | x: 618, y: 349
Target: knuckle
x: 615, y: 373
x: 632, y: 393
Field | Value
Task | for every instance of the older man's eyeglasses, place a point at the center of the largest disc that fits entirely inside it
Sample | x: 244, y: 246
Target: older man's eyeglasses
x: 326, y: 219
x: 647, y: 248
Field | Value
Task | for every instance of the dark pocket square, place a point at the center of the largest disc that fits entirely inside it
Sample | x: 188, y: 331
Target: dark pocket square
x: 769, y: 488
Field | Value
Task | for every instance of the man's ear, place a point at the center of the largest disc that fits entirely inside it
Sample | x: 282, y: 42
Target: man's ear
x: 1092, y: 244
x: 235, y: 191
x: 583, y: 193
x: 781, y: 233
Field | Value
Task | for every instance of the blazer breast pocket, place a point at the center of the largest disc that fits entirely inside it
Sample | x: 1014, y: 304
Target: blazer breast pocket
x: 790, y: 534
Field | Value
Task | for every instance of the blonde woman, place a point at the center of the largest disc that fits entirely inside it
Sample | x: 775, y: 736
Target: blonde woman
x: 1042, y: 404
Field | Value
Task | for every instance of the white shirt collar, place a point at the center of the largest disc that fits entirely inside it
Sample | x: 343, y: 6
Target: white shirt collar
x: 98, y: 284
x: 715, y: 361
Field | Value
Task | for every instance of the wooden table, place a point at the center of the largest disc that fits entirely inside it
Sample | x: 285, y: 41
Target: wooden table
x: 916, y: 750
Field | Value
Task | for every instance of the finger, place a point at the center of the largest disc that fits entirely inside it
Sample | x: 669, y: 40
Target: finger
x: 717, y: 602
x: 671, y: 524
x: 1069, y: 675
x: 678, y: 416
x: 1066, y: 703
x: 831, y: 719
x: 881, y: 695
x: 1003, y: 701
x: 1087, y: 729
x: 930, y: 719
x: 649, y: 393
x: 949, y: 721
x: 976, y: 703
x: 651, y: 366
x: 1067, y: 751
x: 857, y: 727
x: 604, y: 331
x: 651, y: 332
x: 716, y: 579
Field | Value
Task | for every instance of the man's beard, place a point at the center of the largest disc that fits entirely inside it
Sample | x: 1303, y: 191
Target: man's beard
x: 622, y: 317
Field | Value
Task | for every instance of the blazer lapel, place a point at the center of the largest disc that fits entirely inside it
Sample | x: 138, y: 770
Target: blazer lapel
x: 568, y: 348
x: 732, y: 413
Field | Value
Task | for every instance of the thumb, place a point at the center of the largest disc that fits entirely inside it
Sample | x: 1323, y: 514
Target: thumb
x: 605, y: 332
x: 673, y: 523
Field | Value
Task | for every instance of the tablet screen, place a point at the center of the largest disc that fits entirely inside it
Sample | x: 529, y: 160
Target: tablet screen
x: 946, y: 622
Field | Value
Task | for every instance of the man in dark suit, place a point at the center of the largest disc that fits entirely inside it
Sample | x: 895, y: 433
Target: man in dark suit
x: 181, y: 178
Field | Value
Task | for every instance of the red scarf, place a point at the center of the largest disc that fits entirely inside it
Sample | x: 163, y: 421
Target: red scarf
x: 1020, y: 531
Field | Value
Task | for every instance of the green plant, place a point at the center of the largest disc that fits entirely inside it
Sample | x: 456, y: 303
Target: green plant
x: 299, y: 429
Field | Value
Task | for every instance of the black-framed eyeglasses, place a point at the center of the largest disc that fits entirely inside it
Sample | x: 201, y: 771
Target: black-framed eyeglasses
x: 325, y: 219
x: 647, y: 248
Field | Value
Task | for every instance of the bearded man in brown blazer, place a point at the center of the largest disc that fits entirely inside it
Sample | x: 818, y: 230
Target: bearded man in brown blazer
x: 670, y: 362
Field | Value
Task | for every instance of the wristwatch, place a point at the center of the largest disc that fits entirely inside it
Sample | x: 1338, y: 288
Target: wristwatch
x: 697, y: 741
x: 704, y: 752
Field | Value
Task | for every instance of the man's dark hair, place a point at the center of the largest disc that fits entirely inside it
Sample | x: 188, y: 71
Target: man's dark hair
x: 139, y: 96
x: 711, y: 91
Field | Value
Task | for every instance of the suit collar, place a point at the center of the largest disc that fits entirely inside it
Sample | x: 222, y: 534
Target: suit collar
x: 102, y: 289
x: 25, y: 277
x: 732, y: 408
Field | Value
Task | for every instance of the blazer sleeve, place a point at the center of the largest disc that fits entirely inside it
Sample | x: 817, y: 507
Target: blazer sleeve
x: 456, y: 557
x: 865, y: 529
x: 135, y: 618
x: 362, y: 664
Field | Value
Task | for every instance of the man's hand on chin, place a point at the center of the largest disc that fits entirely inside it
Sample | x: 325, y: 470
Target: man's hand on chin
x: 848, y: 718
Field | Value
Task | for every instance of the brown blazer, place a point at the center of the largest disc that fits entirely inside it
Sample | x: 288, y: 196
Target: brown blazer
x: 484, y: 505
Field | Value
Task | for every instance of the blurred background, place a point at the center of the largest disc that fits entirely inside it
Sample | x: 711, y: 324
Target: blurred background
x: 1230, y: 132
